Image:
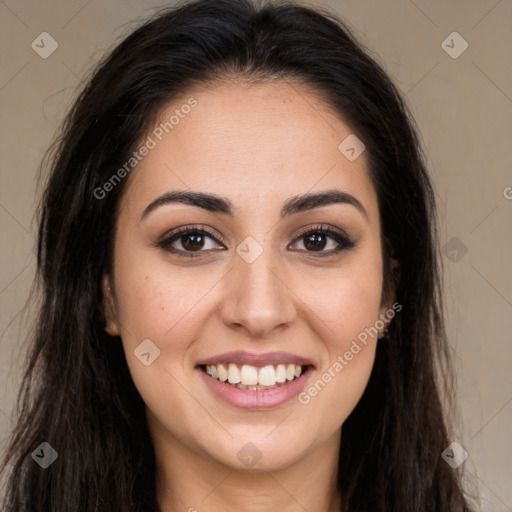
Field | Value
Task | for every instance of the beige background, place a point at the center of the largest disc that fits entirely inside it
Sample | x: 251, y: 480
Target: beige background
x: 463, y: 107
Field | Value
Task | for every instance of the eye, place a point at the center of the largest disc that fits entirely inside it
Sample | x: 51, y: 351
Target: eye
x: 191, y: 239
x: 317, y: 239
x: 195, y: 240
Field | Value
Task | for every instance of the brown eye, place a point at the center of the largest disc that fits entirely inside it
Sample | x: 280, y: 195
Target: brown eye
x: 191, y: 240
x: 317, y: 239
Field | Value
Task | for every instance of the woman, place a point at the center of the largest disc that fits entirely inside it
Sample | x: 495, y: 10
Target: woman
x: 241, y: 297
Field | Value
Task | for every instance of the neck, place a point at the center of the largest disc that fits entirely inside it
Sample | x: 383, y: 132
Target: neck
x: 189, y: 482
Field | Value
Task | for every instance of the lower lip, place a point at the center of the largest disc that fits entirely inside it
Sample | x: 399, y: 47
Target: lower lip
x: 258, y: 399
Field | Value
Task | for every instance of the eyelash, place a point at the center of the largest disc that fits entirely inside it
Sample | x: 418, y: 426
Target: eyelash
x: 164, y: 243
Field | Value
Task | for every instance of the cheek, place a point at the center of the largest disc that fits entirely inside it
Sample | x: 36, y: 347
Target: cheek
x: 163, y: 304
x: 346, y: 308
x: 345, y: 302
x: 154, y: 298
x: 168, y: 305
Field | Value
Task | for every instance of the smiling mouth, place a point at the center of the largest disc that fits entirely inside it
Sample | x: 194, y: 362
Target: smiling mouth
x: 254, y: 378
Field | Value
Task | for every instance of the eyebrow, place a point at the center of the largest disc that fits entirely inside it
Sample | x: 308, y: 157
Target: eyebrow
x: 218, y: 204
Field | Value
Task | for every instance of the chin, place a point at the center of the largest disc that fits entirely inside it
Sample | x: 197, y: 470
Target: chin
x: 263, y: 449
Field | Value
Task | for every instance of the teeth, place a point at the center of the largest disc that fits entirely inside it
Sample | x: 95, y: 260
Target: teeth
x: 281, y: 373
x: 223, y: 374
x: 254, y: 388
x: 249, y: 375
x: 233, y: 374
x: 267, y: 376
x: 253, y: 378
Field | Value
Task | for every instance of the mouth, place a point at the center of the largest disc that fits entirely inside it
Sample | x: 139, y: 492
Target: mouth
x: 253, y: 381
x: 253, y: 378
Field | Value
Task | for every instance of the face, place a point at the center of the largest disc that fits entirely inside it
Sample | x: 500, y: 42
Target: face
x: 275, y: 289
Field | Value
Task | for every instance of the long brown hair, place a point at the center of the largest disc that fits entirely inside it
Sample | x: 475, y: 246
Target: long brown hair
x: 77, y: 393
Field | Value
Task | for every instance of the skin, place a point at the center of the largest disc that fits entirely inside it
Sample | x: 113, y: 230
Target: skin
x: 258, y: 146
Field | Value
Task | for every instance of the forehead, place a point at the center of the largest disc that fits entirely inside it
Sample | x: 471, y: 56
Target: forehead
x: 257, y: 144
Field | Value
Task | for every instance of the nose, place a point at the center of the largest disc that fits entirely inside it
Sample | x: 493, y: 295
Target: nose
x: 257, y: 299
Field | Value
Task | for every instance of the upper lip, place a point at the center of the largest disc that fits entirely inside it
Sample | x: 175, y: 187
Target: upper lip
x: 241, y: 357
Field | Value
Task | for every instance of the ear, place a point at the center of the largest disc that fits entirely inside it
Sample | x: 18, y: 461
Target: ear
x: 109, y: 308
x: 389, y: 307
